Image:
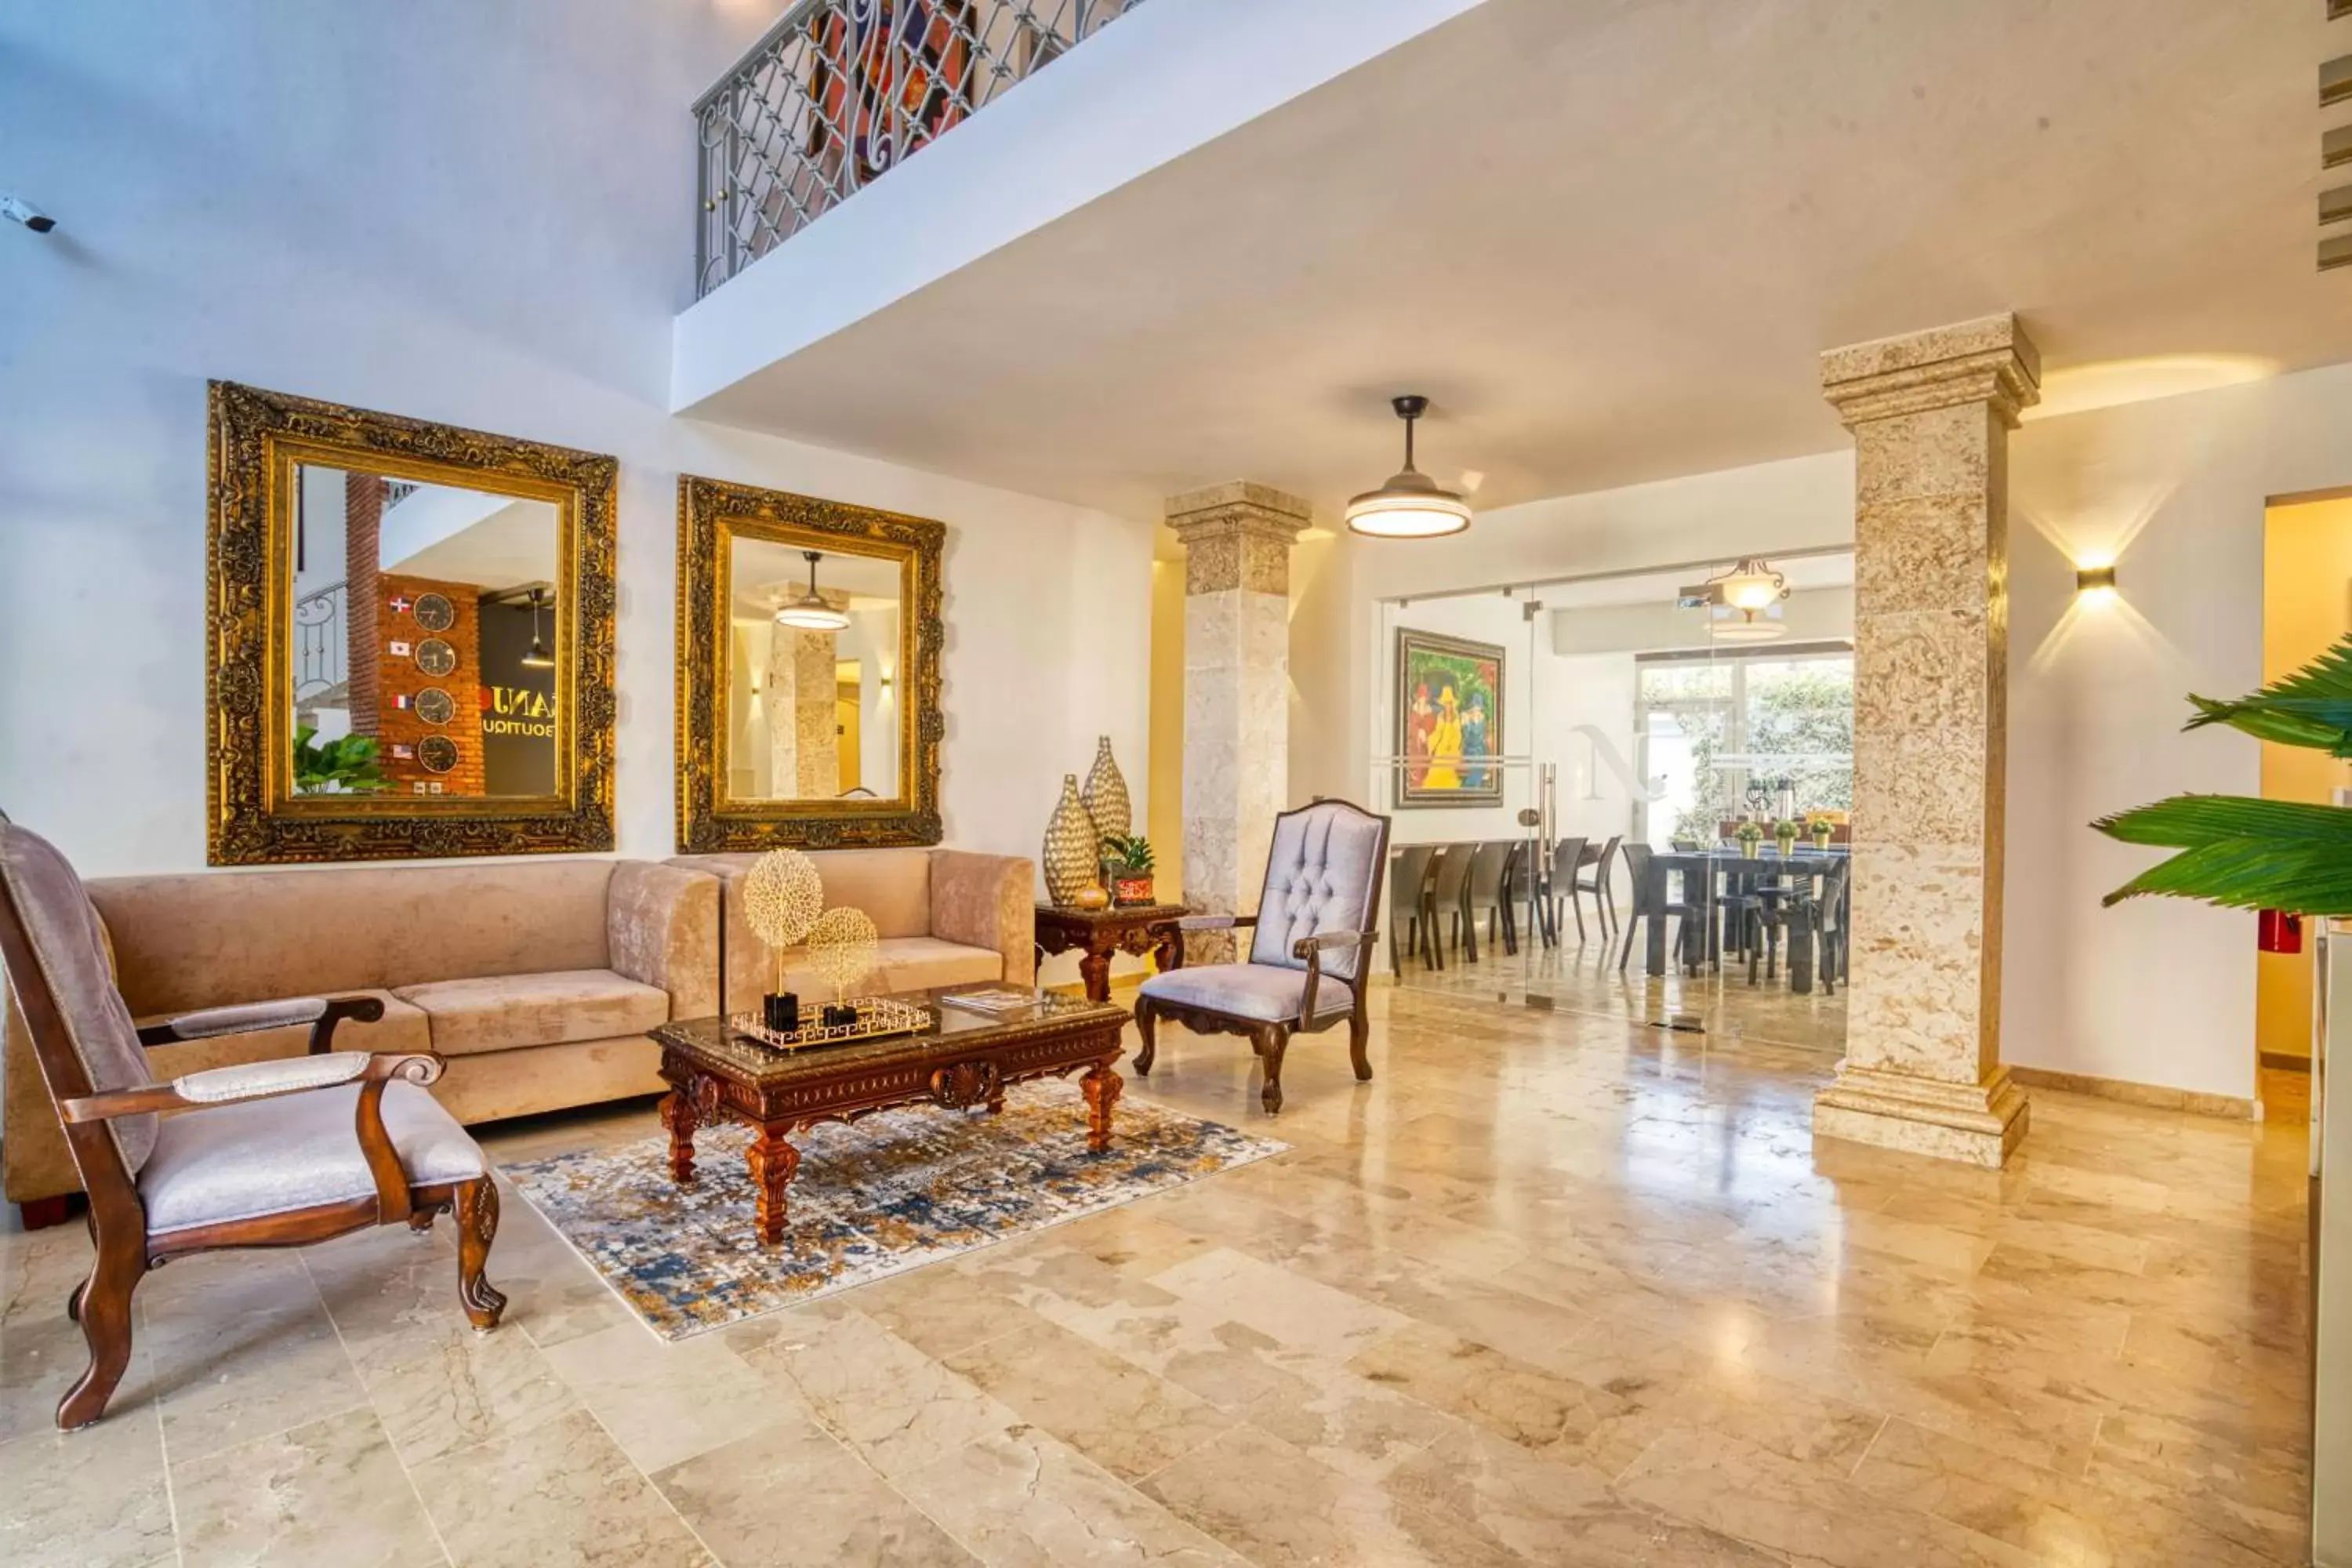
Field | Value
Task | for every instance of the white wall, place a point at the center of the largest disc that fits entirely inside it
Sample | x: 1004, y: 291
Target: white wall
x: 2160, y: 991
x: 479, y: 215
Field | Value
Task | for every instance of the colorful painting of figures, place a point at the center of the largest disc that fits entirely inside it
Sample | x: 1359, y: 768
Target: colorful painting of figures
x: 1449, y: 708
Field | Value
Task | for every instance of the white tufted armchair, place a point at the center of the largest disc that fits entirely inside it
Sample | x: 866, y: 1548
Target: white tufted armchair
x: 1311, y: 953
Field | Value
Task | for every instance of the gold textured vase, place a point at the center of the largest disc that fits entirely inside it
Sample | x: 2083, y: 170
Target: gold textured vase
x: 1105, y: 795
x: 1071, y: 844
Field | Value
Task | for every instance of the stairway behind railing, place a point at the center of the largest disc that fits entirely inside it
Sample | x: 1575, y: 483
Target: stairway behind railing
x: 841, y: 91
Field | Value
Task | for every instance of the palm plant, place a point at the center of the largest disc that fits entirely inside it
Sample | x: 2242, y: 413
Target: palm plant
x: 344, y: 767
x: 2249, y: 854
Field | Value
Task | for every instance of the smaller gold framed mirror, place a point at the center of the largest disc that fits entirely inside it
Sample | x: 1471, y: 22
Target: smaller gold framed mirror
x: 809, y: 634
x: 411, y: 637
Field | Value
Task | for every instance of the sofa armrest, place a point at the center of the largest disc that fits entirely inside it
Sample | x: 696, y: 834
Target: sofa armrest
x: 988, y: 900
x: 661, y: 929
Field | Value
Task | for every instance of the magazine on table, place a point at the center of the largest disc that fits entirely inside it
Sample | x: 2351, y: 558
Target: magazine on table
x: 995, y: 999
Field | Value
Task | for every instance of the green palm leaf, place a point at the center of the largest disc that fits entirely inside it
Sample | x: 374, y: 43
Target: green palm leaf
x: 2186, y: 821
x: 2252, y: 874
x: 2312, y: 707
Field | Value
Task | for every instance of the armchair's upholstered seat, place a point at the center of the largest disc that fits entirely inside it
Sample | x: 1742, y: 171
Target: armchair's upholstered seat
x: 503, y: 1012
x: 1262, y: 991
x: 267, y: 1156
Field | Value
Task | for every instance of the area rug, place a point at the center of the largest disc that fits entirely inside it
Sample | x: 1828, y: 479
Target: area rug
x: 895, y: 1190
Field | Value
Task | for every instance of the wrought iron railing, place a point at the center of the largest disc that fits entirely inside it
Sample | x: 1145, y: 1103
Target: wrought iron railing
x: 841, y: 91
x: 322, y: 643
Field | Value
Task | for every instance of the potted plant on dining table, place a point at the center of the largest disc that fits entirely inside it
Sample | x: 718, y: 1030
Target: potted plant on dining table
x: 1751, y: 836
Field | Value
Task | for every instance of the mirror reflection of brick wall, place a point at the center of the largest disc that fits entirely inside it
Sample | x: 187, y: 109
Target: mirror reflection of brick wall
x: 401, y: 729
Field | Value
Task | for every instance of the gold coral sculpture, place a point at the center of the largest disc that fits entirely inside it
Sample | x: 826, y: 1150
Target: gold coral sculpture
x: 782, y: 900
x: 842, y: 946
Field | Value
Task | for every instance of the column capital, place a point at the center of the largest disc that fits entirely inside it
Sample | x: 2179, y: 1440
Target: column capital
x: 1989, y: 361
x: 1237, y: 535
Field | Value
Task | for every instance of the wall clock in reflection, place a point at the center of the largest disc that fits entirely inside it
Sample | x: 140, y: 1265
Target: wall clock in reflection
x: 436, y: 706
x: 434, y: 613
x: 434, y: 656
x: 439, y: 753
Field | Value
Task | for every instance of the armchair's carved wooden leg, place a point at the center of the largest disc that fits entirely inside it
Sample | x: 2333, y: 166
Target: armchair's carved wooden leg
x: 677, y: 1116
x: 1360, y: 1034
x: 477, y: 1227
x: 1103, y: 1087
x: 73, y: 1302
x: 1145, y: 1021
x: 772, y: 1163
x: 103, y: 1306
x: 1271, y: 1040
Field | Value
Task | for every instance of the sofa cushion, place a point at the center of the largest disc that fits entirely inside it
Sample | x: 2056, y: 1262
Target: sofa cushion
x: 265, y: 1156
x: 1262, y: 991
x: 904, y: 964
x: 500, y: 1012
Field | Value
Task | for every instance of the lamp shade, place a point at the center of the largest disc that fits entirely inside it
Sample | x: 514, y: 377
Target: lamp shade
x: 1411, y: 505
x: 1752, y: 585
x: 810, y: 613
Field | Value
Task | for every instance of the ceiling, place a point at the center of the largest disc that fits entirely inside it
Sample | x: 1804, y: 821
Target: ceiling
x: 1609, y: 240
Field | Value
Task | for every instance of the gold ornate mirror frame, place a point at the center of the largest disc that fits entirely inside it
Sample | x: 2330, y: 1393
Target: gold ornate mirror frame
x: 253, y: 816
x: 711, y: 515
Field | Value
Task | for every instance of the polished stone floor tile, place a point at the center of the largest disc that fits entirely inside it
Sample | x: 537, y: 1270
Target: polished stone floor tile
x: 562, y: 1493
x: 1558, y: 1287
x: 332, y: 1491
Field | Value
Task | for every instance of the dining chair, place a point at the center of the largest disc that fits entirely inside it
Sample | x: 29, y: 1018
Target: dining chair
x: 1566, y: 856
x: 1657, y: 905
x: 1490, y: 889
x: 1825, y: 913
x: 1449, y: 898
x: 270, y: 1153
x: 1408, y: 913
x: 1602, y: 886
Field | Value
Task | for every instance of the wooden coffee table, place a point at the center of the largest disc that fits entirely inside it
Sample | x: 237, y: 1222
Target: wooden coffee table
x: 963, y: 1059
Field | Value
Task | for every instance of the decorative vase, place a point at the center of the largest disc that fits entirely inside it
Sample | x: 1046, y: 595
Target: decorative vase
x: 1105, y: 793
x: 1092, y: 899
x: 1071, y: 846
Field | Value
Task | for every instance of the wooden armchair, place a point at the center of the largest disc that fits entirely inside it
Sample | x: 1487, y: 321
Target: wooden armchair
x: 269, y: 1153
x: 1310, y: 953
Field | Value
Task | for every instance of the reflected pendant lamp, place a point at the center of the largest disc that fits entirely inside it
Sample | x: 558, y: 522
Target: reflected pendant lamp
x: 810, y: 613
x: 1412, y: 505
x: 537, y: 656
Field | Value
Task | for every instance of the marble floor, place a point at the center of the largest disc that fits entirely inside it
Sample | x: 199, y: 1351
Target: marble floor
x: 1584, y: 977
x: 1557, y: 1288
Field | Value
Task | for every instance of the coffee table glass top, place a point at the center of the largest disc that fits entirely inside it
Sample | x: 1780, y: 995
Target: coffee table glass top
x: 951, y: 1029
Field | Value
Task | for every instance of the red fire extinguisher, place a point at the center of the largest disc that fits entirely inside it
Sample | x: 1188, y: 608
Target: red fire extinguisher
x: 2278, y: 931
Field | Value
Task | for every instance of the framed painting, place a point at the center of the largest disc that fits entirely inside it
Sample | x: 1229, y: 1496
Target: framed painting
x: 1449, y: 721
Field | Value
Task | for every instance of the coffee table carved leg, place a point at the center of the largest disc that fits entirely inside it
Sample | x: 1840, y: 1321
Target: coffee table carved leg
x: 677, y: 1116
x: 1103, y: 1086
x: 772, y: 1163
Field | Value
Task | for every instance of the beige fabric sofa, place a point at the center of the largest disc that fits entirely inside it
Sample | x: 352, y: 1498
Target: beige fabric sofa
x: 945, y: 917
x: 536, y: 979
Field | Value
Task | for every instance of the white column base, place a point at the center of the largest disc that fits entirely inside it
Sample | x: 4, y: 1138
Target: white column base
x: 1975, y: 1123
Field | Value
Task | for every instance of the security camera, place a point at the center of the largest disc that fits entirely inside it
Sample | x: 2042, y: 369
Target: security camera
x: 28, y: 215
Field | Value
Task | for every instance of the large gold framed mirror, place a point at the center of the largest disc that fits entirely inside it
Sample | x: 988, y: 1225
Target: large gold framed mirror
x: 808, y: 672
x: 409, y: 648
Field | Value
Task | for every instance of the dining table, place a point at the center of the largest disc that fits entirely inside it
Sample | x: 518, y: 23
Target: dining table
x: 1705, y: 871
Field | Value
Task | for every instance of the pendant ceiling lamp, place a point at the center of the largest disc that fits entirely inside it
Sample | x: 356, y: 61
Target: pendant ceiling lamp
x: 537, y: 656
x: 1748, y: 591
x: 810, y: 613
x: 1411, y: 505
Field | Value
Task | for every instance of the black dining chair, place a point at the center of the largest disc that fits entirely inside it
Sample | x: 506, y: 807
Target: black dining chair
x: 1602, y: 886
x: 1566, y: 856
x: 1825, y: 913
x: 1490, y: 889
x: 1658, y: 905
x: 1449, y: 899
x: 1409, y: 912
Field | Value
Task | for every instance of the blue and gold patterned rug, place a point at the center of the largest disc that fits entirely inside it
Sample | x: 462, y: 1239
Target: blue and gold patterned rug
x: 896, y: 1191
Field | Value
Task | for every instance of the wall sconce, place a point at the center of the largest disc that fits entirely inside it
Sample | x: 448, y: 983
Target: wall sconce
x: 2095, y: 580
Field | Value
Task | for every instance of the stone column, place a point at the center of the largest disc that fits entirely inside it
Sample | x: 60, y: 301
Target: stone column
x: 1930, y: 415
x: 803, y: 726
x: 1237, y: 540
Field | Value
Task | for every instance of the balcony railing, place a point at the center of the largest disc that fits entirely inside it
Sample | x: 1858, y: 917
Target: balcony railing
x: 841, y: 91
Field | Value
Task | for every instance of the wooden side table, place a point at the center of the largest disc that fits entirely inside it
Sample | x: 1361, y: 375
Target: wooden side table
x: 1096, y: 934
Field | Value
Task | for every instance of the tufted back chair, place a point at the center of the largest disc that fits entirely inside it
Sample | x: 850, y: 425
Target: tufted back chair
x: 1319, y: 876
x: 66, y: 947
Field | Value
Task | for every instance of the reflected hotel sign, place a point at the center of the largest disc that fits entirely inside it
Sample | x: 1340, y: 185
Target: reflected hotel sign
x: 520, y: 711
